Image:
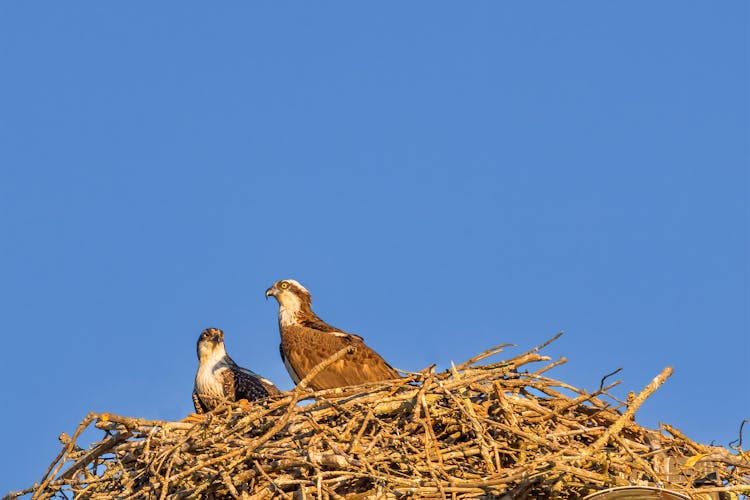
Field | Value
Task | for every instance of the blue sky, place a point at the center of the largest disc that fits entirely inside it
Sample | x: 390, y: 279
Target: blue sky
x: 443, y: 177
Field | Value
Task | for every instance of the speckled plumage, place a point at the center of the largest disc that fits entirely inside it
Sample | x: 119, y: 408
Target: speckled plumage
x: 220, y: 379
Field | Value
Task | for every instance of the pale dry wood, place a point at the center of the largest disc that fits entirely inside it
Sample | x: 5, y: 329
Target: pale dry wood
x: 499, y: 429
x: 629, y: 414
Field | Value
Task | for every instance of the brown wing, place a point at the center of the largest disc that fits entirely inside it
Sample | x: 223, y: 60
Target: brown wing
x: 227, y: 384
x: 240, y: 383
x: 314, y: 322
x: 271, y: 389
x: 199, y: 406
x: 303, y: 348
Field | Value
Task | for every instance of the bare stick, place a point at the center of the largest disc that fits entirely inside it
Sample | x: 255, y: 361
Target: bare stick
x: 626, y: 417
x: 601, y: 384
x: 60, y: 460
x: 486, y: 354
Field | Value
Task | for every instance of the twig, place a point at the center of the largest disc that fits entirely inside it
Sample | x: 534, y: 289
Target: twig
x: 601, y: 384
x: 60, y: 460
x: 472, y: 431
x: 615, y: 428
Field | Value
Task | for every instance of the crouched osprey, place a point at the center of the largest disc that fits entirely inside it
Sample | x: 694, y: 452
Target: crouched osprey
x: 220, y: 379
x: 307, y: 340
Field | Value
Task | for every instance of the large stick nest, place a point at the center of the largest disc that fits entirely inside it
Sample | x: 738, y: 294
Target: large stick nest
x: 474, y: 431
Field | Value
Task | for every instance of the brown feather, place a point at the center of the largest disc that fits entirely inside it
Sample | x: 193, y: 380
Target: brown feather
x: 199, y: 407
x: 307, y: 340
x: 304, y: 348
x: 227, y: 384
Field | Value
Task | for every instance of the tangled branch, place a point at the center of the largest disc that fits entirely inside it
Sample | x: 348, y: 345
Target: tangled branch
x: 473, y: 431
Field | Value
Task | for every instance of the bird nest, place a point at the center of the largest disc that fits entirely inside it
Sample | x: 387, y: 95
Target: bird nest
x: 497, y: 430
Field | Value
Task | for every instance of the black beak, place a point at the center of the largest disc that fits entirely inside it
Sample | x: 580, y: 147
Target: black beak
x: 270, y: 292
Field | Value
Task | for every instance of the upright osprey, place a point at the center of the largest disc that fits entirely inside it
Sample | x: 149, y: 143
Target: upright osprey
x: 219, y: 378
x: 307, y: 340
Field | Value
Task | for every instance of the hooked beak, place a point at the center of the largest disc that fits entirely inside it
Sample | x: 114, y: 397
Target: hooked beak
x: 214, y: 338
x: 270, y: 292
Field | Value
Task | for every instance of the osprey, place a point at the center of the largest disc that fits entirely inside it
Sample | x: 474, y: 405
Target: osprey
x: 220, y: 379
x: 307, y: 340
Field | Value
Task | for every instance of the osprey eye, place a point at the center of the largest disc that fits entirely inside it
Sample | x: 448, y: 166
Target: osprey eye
x: 284, y: 285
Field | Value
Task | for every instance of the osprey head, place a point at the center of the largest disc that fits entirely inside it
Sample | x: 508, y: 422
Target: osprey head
x: 211, y: 343
x: 294, y: 301
x: 289, y: 292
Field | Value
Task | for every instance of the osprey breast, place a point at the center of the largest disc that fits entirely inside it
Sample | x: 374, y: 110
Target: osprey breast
x: 208, y: 380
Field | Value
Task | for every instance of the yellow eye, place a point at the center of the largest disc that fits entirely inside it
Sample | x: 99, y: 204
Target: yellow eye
x: 284, y: 285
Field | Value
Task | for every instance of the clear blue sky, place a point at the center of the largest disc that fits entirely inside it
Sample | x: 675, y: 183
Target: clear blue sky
x: 442, y: 176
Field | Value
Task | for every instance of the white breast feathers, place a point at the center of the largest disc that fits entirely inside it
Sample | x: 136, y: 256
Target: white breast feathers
x: 208, y: 380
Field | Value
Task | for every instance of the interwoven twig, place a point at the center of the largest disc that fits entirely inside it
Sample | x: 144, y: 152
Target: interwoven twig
x: 473, y: 431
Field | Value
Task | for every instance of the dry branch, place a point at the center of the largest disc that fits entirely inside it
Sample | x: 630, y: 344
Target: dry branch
x: 475, y: 431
